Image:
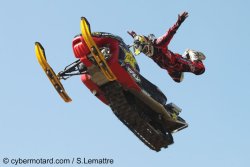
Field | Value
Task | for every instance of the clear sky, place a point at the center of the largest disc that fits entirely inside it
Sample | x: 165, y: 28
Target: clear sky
x: 36, y: 123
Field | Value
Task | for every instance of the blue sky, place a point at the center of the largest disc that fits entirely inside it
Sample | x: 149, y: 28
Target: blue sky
x: 36, y: 123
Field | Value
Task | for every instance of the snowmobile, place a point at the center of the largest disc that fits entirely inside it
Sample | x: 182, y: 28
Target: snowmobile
x: 109, y: 70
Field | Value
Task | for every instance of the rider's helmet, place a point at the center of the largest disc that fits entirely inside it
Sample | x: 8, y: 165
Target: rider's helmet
x: 143, y: 44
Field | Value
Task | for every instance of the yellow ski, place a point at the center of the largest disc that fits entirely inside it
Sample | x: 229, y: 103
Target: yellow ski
x: 40, y: 55
x: 98, y: 56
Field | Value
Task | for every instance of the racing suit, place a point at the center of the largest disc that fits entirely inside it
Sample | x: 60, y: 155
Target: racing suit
x: 174, y: 63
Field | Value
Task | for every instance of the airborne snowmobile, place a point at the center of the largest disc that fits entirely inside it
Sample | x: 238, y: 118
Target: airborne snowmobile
x: 109, y: 70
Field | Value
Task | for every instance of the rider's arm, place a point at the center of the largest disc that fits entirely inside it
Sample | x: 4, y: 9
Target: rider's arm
x: 166, y: 38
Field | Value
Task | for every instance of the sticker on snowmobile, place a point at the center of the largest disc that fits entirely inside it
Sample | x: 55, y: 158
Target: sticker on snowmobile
x: 129, y: 58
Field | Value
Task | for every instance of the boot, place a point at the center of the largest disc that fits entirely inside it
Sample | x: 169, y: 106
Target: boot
x: 193, y: 55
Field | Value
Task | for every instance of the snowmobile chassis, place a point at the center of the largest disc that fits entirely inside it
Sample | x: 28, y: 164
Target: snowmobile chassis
x: 144, y: 115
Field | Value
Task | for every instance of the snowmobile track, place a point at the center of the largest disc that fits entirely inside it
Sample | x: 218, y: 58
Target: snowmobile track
x: 127, y: 114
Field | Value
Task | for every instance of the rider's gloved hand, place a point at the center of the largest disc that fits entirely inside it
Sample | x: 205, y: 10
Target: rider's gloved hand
x: 132, y: 33
x: 182, y: 17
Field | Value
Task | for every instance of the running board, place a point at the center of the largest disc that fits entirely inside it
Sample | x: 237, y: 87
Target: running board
x: 157, y: 107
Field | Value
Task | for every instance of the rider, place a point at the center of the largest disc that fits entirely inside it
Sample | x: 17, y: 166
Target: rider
x: 157, y: 49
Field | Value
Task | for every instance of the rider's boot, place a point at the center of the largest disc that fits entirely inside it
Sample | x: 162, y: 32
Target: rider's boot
x: 193, y: 55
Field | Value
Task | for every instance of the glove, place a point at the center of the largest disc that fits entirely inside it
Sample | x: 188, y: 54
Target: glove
x: 182, y: 17
x: 132, y: 33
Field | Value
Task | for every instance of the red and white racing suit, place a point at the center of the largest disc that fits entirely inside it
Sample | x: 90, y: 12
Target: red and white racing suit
x: 174, y: 63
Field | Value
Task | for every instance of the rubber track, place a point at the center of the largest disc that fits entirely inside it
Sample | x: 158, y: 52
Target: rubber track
x: 127, y: 114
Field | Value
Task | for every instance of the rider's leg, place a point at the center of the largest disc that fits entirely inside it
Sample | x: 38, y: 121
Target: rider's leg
x: 185, y: 65
x: 175, y: 64
x: 176, y: 75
